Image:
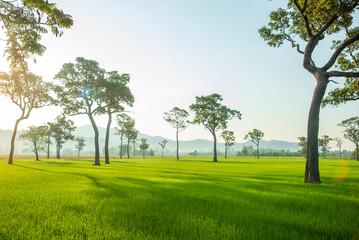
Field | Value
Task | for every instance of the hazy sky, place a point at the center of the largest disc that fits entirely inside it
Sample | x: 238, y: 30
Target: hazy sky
x: 176, y: 50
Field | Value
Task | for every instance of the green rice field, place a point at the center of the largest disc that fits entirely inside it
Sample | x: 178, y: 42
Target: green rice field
x: 191, y: 198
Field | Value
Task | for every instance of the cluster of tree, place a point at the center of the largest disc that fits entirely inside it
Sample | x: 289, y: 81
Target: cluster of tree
x: 351, y: 132
x: 308, y: 23
x: 39, y: 138
x: 209, y: 112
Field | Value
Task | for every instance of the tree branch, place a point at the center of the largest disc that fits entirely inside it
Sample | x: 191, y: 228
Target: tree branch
x: 337, y: 52
x: 343, y: 74
x: 302, y: 12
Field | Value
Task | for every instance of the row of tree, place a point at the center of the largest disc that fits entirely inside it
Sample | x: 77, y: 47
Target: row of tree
x: 351, y: 132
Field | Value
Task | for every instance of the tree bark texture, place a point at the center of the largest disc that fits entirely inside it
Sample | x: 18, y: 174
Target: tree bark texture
x: 312, y: 164
x: 214, y: 147
x: 97, y: 147
x: 107, y: 139
x: 128, y: 148
x: 177, y: 143
x: 258, y: 151
x: 58, y: 150
x: 48, y: 147
x: 12, y: 146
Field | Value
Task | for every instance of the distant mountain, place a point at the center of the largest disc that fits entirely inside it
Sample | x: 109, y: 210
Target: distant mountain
x: 199, y: 145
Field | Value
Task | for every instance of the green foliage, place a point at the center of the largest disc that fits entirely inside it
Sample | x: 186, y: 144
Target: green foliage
x: 170, y: 199
x: 80, y: 145
x: 177, y: 117
x: 24, y: 23
x: 303, y: 144
x: 25, y: 89
x: 143, y: 146
x: 210, y: 112
x: 228, y: 137
x: 323, y: 142
x: 351, y: 131
x: 36, y: 139
x: 254, y: 136
x: 61, y: 130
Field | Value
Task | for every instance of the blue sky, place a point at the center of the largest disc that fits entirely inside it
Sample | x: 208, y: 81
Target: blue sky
x: 177, y: 50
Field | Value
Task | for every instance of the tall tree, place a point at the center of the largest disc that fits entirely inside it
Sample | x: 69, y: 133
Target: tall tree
x: 28, y: 92
x: 121, y: 120
x: 144, y: 146
x: 163, y: 145
x: 24, y: 22
x: 130, y: 133
x: 79, y: 92
x: 115, y: 93
x: 214, y: 116
x: 229, y: 139
x: 351, y: 131
x: 177, y: 117
x: 48, y: 132
x: 308, y: 22
x: 62, y: 132
x: 36, y: 137
x: 338, y: 143
x: 255, y: 136
x: 323, y: 142
x: 79, y: 145
x: 303, y: 144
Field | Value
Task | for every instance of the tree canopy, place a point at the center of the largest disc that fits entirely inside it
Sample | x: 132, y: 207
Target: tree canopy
x: 214, y: 116
x: 255, y: 136
x: 351, y: 132
x: 24, y: 23
x: 27, y: 91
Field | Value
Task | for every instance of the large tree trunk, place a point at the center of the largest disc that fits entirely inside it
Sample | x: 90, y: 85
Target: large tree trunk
x: 162, y: 151
x: 97, y: 147
x: 225, y: 152
x: 128, y: 148
x: 36, y: 152
x: 215, y: 148
x: 12, y: 146
x: 134, y: 147
x: 48, y: 147
x: 312, y: 164
x: 107, y: 139
x: 58, y: 150
x: 143, y: 153
x: 177, y: 143
x: 121, y: 145
x: 357, y: 151
x: 258, y: 151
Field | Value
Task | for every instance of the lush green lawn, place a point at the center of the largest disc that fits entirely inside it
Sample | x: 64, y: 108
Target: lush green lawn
x: 193, y: 198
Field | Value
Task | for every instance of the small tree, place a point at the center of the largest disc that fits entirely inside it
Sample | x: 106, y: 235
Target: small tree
x: 121, y: 121
x: 214, y: 116
x: 351, y: 131
x: 28, y: 92
x: 177, y: 117
x: 163, y: 145
x: 303, y: 144
x: 79, y: 145
x: 144, y: 146
x: 229, y: 139
x: 62, y: 132
x: 324, y: 144
x: 36, y: 137
x: 338, y: 143
x: 255, y: 136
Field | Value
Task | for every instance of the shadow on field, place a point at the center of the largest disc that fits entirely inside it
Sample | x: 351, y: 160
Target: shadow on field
x: 190, y: 204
